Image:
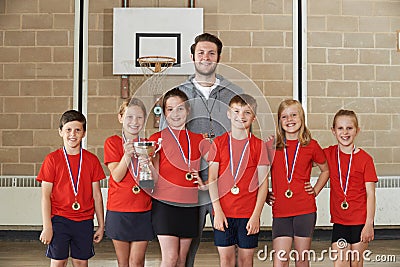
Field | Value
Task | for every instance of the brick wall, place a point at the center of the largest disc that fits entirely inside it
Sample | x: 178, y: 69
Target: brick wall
x: 353, y: 64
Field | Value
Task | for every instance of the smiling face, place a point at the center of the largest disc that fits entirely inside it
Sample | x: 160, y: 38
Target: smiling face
x: 176, y: 112
x: 132, y: 121
x: 205, y: 58
x: 241, y: 116
x: 72, y: 134
x: 345, y: 130
x: 290, y: 121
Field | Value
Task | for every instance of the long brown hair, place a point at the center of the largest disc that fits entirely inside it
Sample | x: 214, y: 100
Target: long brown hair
x: 304, y: 134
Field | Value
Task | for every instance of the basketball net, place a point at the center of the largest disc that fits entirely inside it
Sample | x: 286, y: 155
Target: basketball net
x: 154, y: 69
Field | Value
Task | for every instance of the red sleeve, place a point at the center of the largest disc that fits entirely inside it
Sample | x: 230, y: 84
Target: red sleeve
x: 205, y: 146
x: 370, y: 172
x: 112, y: 153
x: 270, y: 149
x: 155, y: 136
x: 47, y: 172
x: 264, y: 160
x: 318, y: 155
x: 213, y: 154
x: 97, y: 170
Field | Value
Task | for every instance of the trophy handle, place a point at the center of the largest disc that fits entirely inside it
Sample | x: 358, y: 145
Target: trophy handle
x: 159, y: 147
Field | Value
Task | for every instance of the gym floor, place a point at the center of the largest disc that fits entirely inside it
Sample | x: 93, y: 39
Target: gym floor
x: 384, y: 253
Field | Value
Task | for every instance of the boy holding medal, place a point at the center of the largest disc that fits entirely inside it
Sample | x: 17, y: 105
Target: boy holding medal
x: 70, y: 196
x: 238, y: 168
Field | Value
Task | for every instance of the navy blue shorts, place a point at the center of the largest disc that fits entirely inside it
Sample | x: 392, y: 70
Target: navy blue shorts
x: 350, y: 233
x: 235, y: 234
x: 71, y: 238
x: 129, y: 226
x: 300, y: 225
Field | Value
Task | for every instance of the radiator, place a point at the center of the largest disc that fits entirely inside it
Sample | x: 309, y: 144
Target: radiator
x: 20, y: 202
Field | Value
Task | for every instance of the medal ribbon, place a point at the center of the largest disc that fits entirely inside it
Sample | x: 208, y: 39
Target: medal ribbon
x: 186, y: 160
x: 135, y: 170
x: 75, y: 187
x: 241, y: 157
x: 348, y: 170
x: 209, y: 110
x: 290, y: 177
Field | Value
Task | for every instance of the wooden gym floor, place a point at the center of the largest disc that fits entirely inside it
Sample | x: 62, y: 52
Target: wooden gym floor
x: 384, y: 253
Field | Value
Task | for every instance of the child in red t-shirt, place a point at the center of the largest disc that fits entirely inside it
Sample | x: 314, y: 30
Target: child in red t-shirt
x: 128, y: 217
x: 238, y: 169
x: 293, y: 197
x: 70, y: 196
x: 175, y: 213
x: 352, y: 197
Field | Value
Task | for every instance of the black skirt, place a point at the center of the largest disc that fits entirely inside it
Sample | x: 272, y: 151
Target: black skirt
x: 129, y: 226
x: 174, y: 220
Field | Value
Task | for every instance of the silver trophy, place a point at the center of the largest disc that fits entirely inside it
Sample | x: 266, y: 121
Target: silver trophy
x: 146, y: 149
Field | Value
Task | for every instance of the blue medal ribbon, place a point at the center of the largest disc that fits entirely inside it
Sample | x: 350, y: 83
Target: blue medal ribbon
x: 241, y: 157
x: 345, y: 186
x: 289, y: 177
x: 75, y: 187
x: 188, y: 159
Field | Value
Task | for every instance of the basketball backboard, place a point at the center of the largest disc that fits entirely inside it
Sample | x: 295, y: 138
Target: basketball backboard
x: 140, y: 32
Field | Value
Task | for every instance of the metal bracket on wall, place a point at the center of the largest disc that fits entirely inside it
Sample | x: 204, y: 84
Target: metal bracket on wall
x: 157, y: 110
x: 398, y: 40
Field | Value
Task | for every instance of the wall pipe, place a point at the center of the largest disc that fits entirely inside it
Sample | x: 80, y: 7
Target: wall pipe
x: 80, y: 86
x: 191, y: 3
x: 125, y: 78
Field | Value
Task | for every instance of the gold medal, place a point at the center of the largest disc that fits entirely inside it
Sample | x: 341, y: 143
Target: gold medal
x: 289, y: 176
x: 189, y: 176
x: 136, y: 189
x: 235, y: 190
x: 76, y: 206
x: 288, y: 193
x: 344, y: 205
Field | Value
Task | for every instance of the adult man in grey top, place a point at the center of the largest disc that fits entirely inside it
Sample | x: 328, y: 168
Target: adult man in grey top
x: 209, y: 95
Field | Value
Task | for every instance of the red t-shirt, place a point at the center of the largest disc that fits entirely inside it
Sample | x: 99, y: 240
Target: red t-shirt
x: 120, y: 195
x: 55, y: 170
x: 362, y: 171
x: 241, y: 205
x: 172, y: 184
x: 301, y: 202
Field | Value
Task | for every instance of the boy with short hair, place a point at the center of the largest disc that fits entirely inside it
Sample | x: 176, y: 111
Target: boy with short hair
x: 238, y: 168
x: 70, y: 196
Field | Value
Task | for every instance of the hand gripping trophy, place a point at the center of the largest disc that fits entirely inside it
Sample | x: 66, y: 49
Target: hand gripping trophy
x: 146, y: 149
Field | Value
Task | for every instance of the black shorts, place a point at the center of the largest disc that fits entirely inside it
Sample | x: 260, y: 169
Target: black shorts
x: 71, y: 238
x: 350, y: 233
x: 129, y: 226
x: 300, y: 225
x: 169, y: 219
